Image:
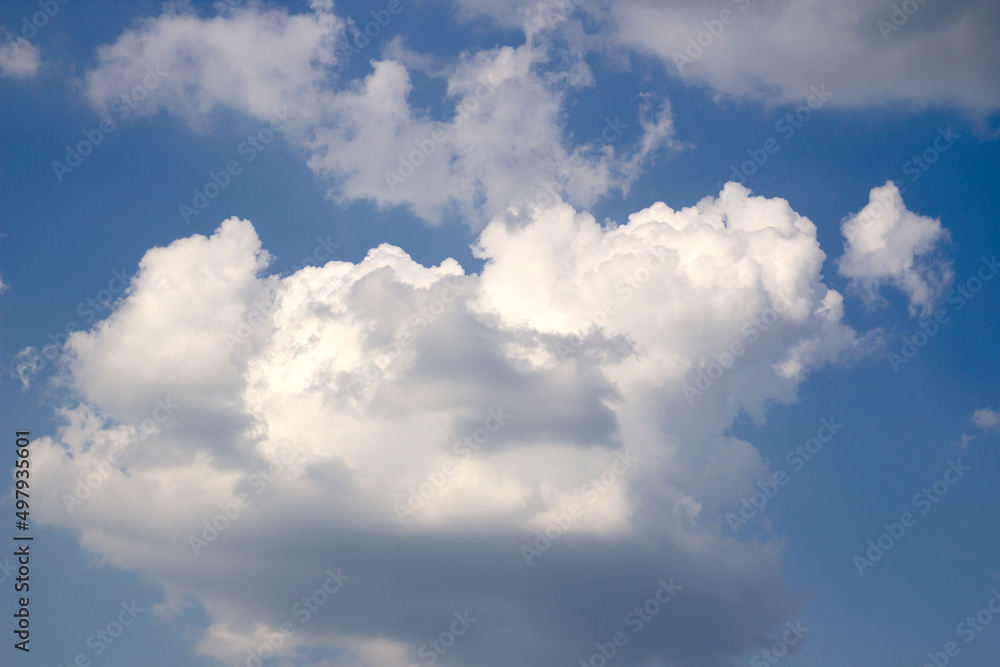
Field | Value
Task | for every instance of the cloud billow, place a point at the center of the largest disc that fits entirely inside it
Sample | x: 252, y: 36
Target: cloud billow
x: 371, y: 372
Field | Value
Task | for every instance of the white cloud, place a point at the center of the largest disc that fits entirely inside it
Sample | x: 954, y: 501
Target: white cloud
x: 887, y: 244
x: 500, y: 137
x: 251, y: 59
x: 965, y: 441
x: 943, y: 53
x: 584, y: 335
x: 27, y: 363
x: 987, y: 420
x: 19, y: 58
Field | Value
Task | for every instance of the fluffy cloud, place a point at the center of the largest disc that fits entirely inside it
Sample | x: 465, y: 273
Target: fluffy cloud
x: 253, y: 60
x: 549, y: 388
x: 499, y: 140
x: 19, y: 58
x: 887, y: 244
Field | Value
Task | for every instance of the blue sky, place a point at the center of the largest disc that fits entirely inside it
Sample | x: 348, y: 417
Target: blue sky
x: 315, y: 405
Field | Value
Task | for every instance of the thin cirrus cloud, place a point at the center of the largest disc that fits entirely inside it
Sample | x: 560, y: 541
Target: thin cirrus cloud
x: 584, y: 335
x: 502, y: 137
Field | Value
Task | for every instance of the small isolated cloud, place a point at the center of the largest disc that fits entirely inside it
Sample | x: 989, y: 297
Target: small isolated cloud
x: 19, y: 58
x: 27, y: 364
x: 987, y: 420
x: 965, y: 441
x: 885, y: 244
x: 496, y: 397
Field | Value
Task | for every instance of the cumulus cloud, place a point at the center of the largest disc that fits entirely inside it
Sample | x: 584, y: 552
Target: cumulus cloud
x: 500, y: 137
x: 421, y: 427
x: 19, y: 58
x: 987, y: 420
x: 885, y: 244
